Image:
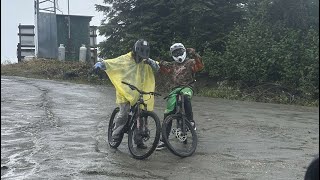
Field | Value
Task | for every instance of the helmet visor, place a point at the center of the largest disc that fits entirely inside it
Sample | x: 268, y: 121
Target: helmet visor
x: 178, y: 52
x: 144, y: 52
x: 142, y: 49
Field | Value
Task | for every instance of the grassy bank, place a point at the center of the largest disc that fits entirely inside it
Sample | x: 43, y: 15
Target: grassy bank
x: 81, y: 73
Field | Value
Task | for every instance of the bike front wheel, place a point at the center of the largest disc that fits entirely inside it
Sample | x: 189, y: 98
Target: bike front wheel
x: 113, y: 144
x: 144, y: 135
x: 180, y: 142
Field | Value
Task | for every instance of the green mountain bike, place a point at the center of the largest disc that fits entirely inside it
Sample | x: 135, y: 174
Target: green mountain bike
x: 177, y: 132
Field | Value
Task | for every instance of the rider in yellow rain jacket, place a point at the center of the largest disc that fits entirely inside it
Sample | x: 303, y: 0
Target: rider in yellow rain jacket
x: 135, y: 68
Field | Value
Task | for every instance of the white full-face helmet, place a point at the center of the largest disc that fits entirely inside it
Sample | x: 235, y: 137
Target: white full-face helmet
x: 178, y: 52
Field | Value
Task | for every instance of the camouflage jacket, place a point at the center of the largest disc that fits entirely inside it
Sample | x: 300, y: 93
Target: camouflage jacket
x: 183, y: 73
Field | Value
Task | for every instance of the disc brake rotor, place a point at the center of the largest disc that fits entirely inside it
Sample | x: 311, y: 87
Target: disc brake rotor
x: 178, y: 134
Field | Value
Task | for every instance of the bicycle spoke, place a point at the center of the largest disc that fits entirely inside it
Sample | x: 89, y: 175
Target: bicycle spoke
x: 143, y: 139
x: 180, y: 142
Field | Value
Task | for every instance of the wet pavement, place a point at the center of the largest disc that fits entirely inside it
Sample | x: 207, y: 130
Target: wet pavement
x: 58, y: 130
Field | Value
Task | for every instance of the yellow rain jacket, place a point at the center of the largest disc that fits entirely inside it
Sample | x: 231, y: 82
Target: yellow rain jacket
x: 124, y: 68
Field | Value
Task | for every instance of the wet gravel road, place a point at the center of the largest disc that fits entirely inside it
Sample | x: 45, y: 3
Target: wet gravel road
x: 57, y: 130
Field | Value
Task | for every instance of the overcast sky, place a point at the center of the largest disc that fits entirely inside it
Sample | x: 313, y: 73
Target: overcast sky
x: 14, y: 12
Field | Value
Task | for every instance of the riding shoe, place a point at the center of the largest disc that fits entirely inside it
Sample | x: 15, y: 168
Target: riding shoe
x: 193, y: 124
x: 142, y: 146
x: 160, y: 146
x: 116, y: 138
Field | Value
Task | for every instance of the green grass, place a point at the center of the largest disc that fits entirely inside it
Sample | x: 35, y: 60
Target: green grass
x: 52, y: 69
x: 234, y: 93
x: 78, y: 72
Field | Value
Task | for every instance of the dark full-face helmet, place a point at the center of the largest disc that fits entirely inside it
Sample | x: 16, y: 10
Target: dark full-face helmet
x: 141, y: 50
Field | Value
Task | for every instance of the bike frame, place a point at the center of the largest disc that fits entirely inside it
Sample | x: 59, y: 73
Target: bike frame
x: 136, y: 108
x: 136, y: 126
x: 136, y: 111
x: 180, y: 106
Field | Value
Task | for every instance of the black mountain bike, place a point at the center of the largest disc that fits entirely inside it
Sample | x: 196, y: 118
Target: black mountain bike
x: 177, y: 132
x: 142, y: 125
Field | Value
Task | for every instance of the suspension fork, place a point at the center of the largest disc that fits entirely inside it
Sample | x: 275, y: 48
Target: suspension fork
x: 138, y: 116
x: 181, y: 111
x: 144, y: 118
x: 131, y: 118
x: 141, y: 122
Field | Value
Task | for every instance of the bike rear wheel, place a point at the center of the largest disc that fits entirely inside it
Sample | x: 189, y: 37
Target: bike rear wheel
x: 110, y: 130
x: 179, y: 143
x: 149, y: 136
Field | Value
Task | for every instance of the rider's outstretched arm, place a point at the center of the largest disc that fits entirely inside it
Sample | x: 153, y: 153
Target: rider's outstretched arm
x: 154, y: 65
x: 166, y: 67
x: 198, y: 64
x: 100, y: 65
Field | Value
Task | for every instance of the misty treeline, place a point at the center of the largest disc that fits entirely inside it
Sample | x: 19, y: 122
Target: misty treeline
x: 245, y: 42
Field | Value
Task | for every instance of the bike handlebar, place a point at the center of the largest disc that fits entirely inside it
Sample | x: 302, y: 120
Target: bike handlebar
x: 132, y: 87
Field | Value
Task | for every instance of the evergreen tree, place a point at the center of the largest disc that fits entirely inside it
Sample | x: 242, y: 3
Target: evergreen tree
x: 200, y: 24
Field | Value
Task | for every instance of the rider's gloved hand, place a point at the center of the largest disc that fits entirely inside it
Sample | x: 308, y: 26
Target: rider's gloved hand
x: 147, y: 61
x: 154, y: 64
x: 100, y: 65
x: 191, y: 50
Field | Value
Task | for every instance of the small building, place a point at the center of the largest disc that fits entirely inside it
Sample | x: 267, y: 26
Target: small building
x: 56, y: 29
x: 79, y: 34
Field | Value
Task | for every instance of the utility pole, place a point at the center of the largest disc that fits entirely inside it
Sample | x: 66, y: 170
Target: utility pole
x: 43, y: 6
x: 69, y: 18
